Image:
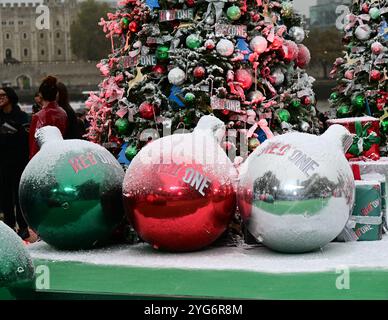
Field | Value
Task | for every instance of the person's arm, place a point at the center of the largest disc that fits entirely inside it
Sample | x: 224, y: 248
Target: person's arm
x: 32, y: 141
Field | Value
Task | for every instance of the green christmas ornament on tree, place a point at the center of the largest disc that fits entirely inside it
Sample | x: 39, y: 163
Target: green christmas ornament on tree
x: 334, y: 96
x: 374, y: 13
x: 70, y: 192
x: 16, y: 267
x: 358, y: 101
x: 284, y: 115
x: 130, y: 152
x: 384, y: 126
x: 122, y: 126
x: 189, y: 97
x: 296, y: 103
x: 125, y: 22
x: 233, y: 13
x: 193, y: 41
x: 343, y: 111
x: 162, y: 52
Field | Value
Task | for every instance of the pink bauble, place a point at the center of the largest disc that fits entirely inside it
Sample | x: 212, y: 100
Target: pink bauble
x: 244, y: 77
x: 258, y: 44
x: 304, y: 56
x: 289, y: 51
x: 349, y: 74
x: 377, y: 48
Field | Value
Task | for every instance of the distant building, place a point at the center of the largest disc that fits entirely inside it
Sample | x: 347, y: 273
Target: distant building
x: 324, y: 14
x: 22, y: 41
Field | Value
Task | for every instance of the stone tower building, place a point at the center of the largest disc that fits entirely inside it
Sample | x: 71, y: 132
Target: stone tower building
x: 21, y: 40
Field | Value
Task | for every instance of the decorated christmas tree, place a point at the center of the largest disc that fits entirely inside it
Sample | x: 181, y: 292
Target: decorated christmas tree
x: 174, y: 61
x: 362, y: 74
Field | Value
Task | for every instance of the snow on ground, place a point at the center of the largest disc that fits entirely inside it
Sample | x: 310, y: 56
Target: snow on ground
x: 355, y: 255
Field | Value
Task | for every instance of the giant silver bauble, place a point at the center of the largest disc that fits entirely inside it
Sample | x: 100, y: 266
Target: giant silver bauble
x: 296, y: 191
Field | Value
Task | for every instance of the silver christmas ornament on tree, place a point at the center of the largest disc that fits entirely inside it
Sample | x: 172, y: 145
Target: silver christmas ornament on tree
x: 259, y: 44
x: 176, y: 76
x: 304, y: 126
x: 277, y: 77
x: 363, y: 32
x: 225, y: 47
x: 293, y: 197
x: 297, y: 34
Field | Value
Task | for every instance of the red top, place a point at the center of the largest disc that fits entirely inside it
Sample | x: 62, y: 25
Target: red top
x: 51, y: 115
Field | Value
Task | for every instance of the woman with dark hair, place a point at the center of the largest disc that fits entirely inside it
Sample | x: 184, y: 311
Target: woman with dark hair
x: 14, y: 158
x: 50, y: 115
x: 74, y: 127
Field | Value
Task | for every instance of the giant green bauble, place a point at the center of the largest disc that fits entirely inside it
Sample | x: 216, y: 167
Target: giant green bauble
x: 70, y: 192
x: 16, y: 267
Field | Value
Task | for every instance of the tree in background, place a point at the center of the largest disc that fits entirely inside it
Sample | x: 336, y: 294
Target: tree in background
x: 174, y: 61
x: 325, y: 46
x: 362, y: 72
x: 87, y: 42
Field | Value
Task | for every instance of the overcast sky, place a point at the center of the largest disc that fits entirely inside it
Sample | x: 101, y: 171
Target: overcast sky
x: 301, y: 5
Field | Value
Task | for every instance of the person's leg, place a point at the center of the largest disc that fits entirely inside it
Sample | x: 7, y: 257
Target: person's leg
x: 6, y: 194
x: 22, y: 224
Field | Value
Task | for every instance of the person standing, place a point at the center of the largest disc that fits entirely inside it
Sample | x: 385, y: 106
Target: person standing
x: 13, y: 160
x: 50, y: 115
x: 37, y: 106
x: 74, y: 124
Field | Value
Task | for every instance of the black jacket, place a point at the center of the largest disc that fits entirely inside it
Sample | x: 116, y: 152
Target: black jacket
x: 13, y: 139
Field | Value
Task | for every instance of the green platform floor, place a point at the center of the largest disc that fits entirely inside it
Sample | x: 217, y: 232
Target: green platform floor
x: 74, y: 280
x: 139, y: 272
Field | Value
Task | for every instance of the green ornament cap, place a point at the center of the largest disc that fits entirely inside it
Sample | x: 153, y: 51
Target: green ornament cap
x: 162, y: 52
x: 130, y: 152
x: 284, y: 115
x: 16, y: 265
x: 122, y: 126
x: 343, y: 111
x: 193, y: 41
x: 233, y: 13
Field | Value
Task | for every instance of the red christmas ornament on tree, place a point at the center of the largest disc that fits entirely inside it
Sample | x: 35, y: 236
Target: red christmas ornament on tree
x: 182, y: 201
x: 306, y: 101
x: 199, y: 72
x: 209, y: 44
x: 244, y: 78
x: 375, y: 75
x: 133, y: 26
x: 365, y: 8
x: 148, y: 111
x: 304, y: 56
x: 190, y: 3
x: 159, y: 69
x: 289, y: 51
